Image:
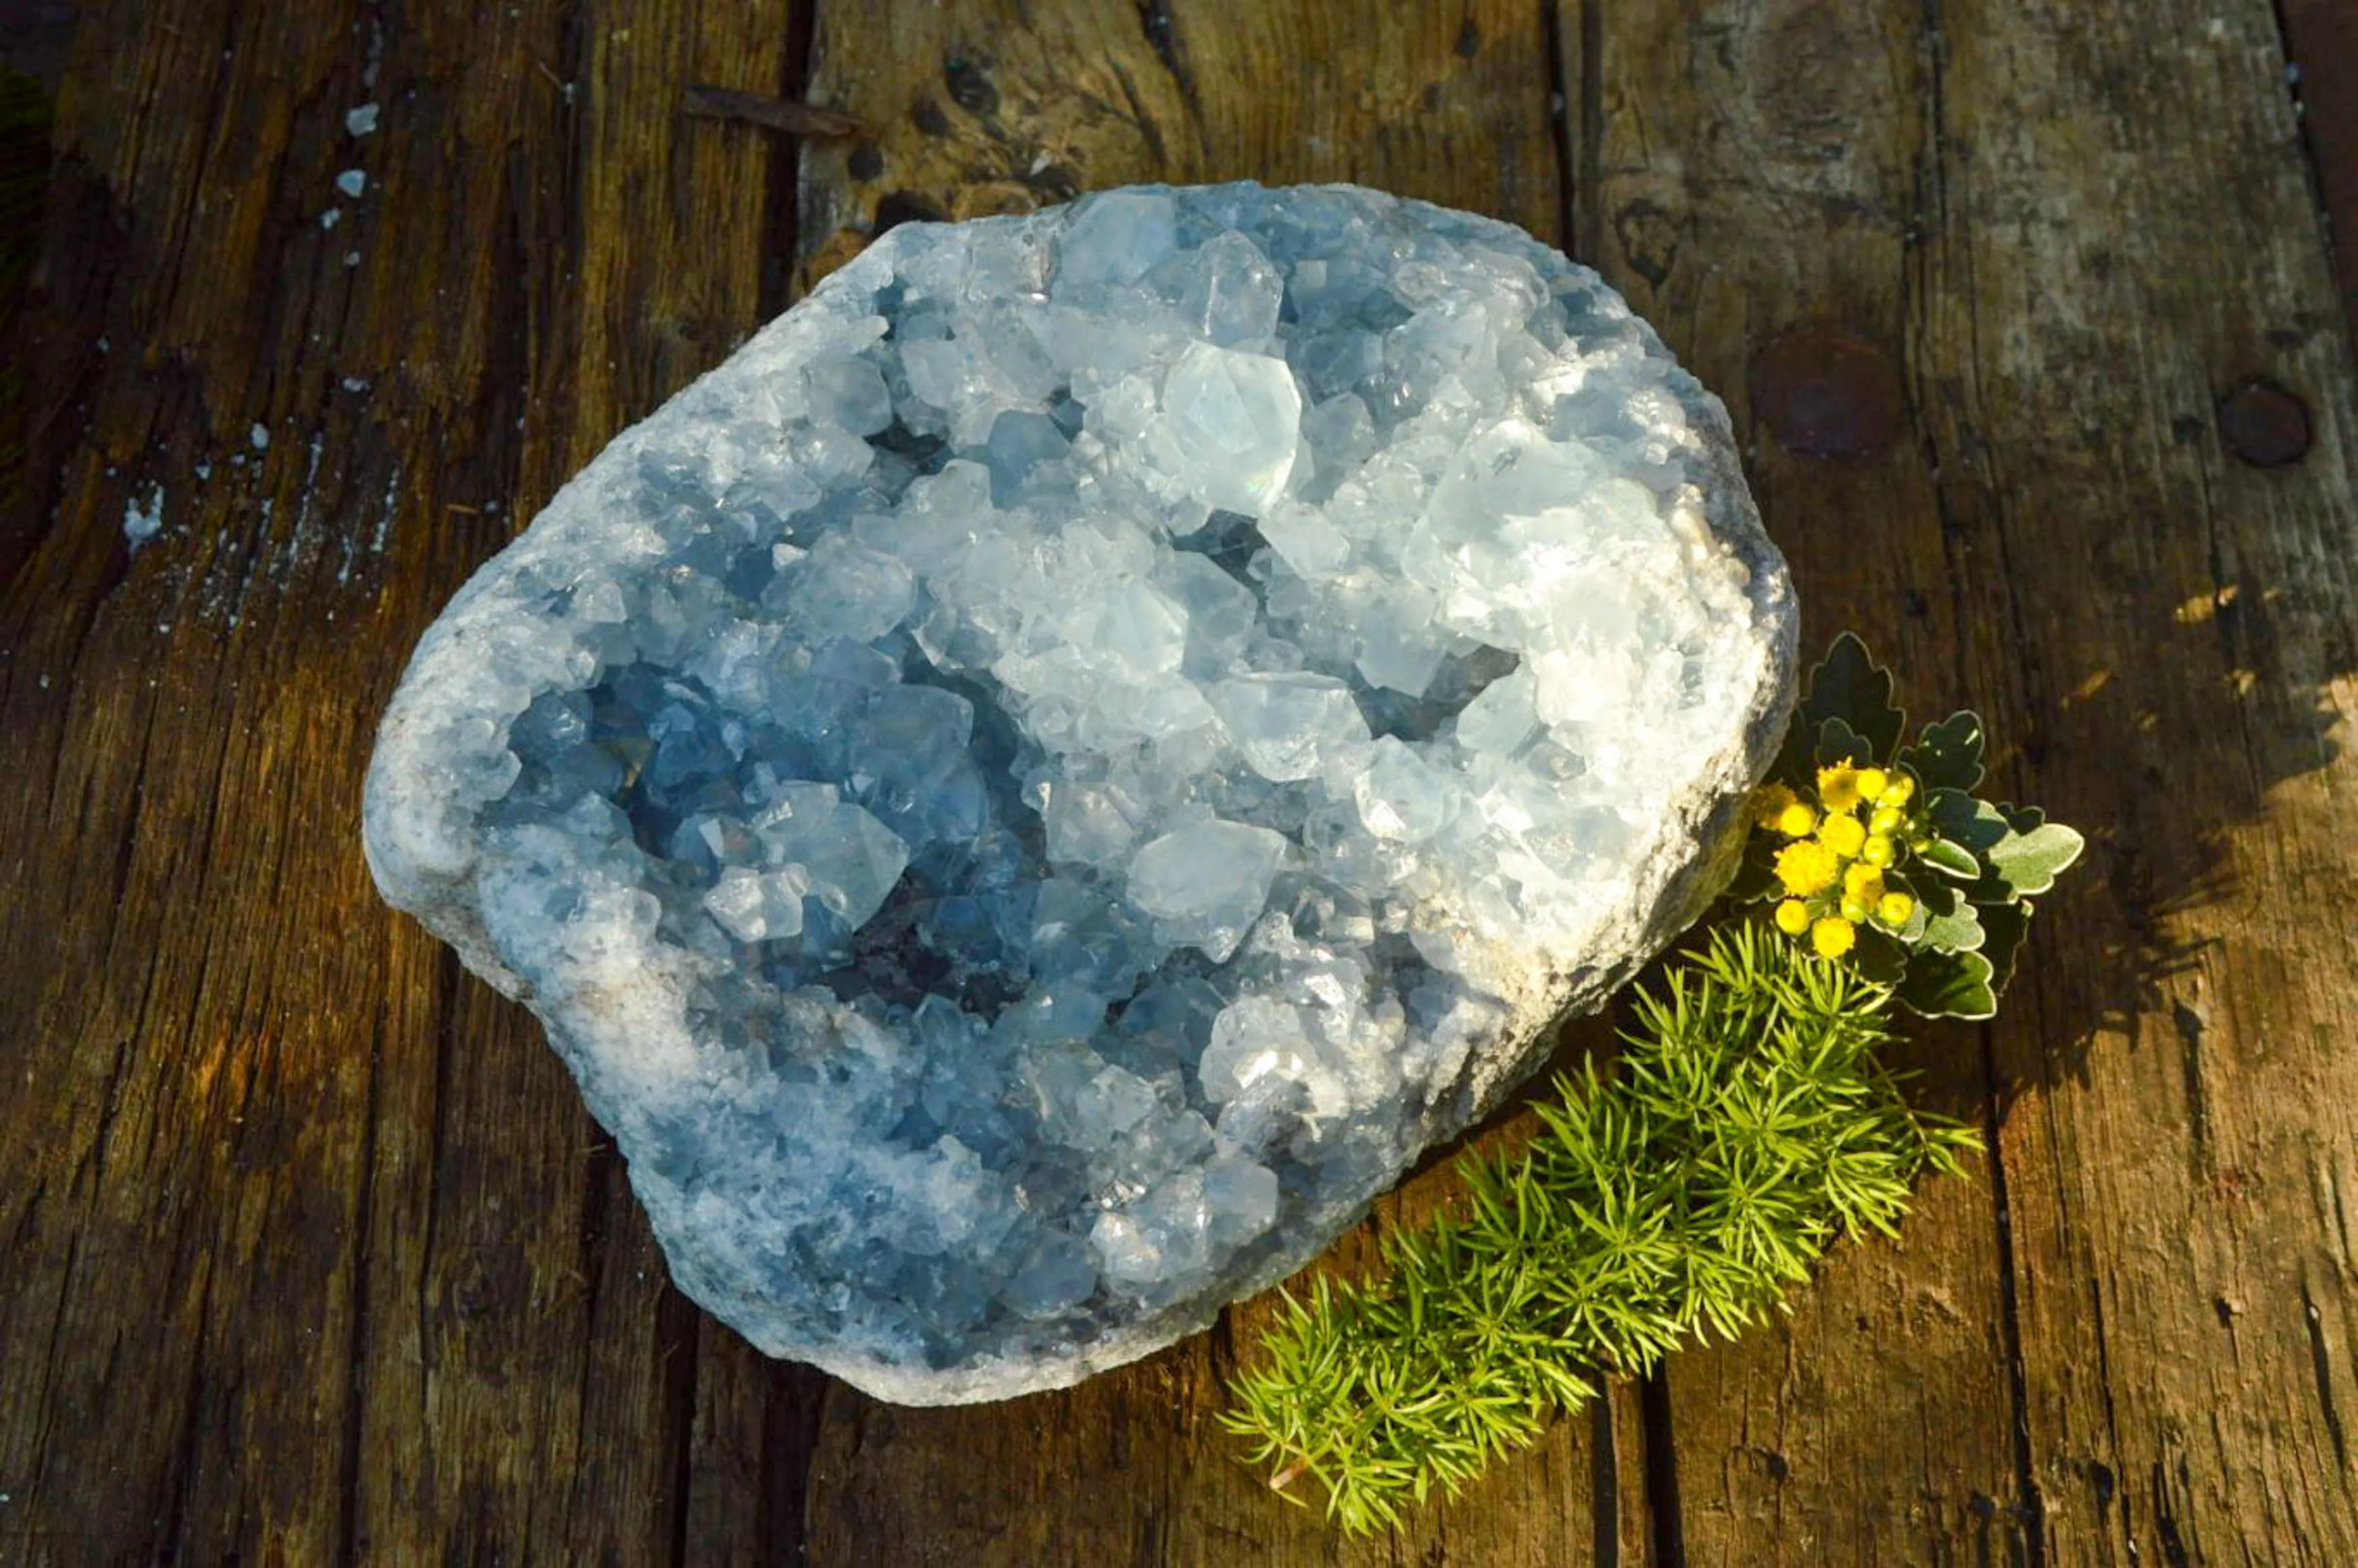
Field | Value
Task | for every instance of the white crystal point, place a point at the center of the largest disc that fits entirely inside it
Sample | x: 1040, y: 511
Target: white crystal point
x: 1284, y: 723
x: 1231, y: 427
x: 1029, y: 796
x: 1205, y: 884
x: 1116, y: 238
x: 843, y: 856
x: 1403, y: 797
x: 1234, y: 294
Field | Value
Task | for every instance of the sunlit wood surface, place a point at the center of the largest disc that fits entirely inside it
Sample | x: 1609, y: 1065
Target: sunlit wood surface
x: 2028, y: 320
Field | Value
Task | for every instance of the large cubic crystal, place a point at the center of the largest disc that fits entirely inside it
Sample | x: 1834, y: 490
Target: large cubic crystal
x: 1031, y: 793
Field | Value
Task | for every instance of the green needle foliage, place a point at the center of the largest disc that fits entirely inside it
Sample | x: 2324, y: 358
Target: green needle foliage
x: 1747, y: 1124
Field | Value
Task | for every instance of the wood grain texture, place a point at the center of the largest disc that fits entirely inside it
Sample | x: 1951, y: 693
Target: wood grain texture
x: 307, y: 1252
x: 2321, y: 50
x: 1758, y: 187
x: 1002, y: 105
x: 2070, y: 231
x: 312, y: 1253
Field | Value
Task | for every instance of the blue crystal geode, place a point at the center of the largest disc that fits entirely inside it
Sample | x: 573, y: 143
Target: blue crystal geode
x: 1031, y: 793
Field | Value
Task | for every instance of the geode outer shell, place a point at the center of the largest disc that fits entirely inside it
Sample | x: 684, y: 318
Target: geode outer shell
x: 1031, y: 793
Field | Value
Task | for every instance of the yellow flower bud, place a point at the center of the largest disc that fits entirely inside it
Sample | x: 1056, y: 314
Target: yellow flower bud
x: 1833, y: 937
x: 1900, y: 791
x: 1793, y: 917
x: 1841, y: 834
x: 1807, y: 868
x: 1895, y: 908
x: 1838, y: 786
x: 1886, y: 820
x: 1877, y: 850
x: 1863, y: 883
x: 1769, y: 805
x: 1796, y: 820
x: 1872, y: 783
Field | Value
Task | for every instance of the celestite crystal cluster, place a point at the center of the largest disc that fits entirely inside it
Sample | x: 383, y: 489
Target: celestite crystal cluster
x: 1031, y: 793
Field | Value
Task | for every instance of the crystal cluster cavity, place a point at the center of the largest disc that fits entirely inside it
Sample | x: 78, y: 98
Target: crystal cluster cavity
x: 1028, y: 796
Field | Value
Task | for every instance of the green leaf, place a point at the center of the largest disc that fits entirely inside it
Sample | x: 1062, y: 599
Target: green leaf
x: 1948, y: 755
x: 2029, y: 861
x: 1955, y: 930
x: 1791, y: 767
x: 1936, y: 896
x: 1879, y: 957
x: 2005, y: 925
x: 1948, y: 985
x: 1972, y: 824
x: 1838, y: 743
x: 1950, y: 860
x: 1850, y: 685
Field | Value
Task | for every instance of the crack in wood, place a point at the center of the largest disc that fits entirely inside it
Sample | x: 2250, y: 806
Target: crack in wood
x: 2321, y: 1366
x: 1604, y: 1480
x: 2027, y: 1507
x: 1666, y: 1520
x: 1566, y: 144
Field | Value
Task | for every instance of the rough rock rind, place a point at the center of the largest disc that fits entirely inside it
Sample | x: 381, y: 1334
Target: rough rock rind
x: 748, y: 1056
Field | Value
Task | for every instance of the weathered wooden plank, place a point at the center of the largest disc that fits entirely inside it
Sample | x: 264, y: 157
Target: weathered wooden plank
x: 306, y: 1249
x: 2320, y: 51
x: 987, y: 108
x: 2182, y: 1265
x: 1002, y: 107
x: 310, y: 1251
x: 2070, y: 232
x: 1757, y: 186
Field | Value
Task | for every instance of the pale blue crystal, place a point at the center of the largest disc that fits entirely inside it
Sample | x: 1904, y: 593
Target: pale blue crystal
x: 1231, y: 427
x: 1286, y: 725
x: 1233, y: 292
x: 1116, y: 239
x: 849, y: 393
x: 1031, y: 793
x: 1403, y: 797
x: 1205, y: 884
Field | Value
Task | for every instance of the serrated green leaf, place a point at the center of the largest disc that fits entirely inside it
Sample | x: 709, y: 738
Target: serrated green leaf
x: 2005, y: 925
x: 2030, y: 862
x: 1948, y: 755
x: 1956, y: 930
x: 1938, y: 895
x: 1950, y: 860
x: 1850, y: 685
x: 1838, y: 743
x: 1974, y: 825
x: 1878, y: 956
x: 1947, y: 985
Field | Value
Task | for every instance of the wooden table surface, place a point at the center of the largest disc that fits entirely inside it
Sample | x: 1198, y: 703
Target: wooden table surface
x: 2028, y: 314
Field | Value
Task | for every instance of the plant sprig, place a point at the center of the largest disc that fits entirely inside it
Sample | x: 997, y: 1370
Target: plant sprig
x: 1749, y: 1124
x: 1876, y: 848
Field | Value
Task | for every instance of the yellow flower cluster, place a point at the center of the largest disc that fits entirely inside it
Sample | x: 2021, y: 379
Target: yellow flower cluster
x: 1832, y: 870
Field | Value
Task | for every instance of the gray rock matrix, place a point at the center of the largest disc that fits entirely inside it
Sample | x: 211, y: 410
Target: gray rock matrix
x: 1031, y: 793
